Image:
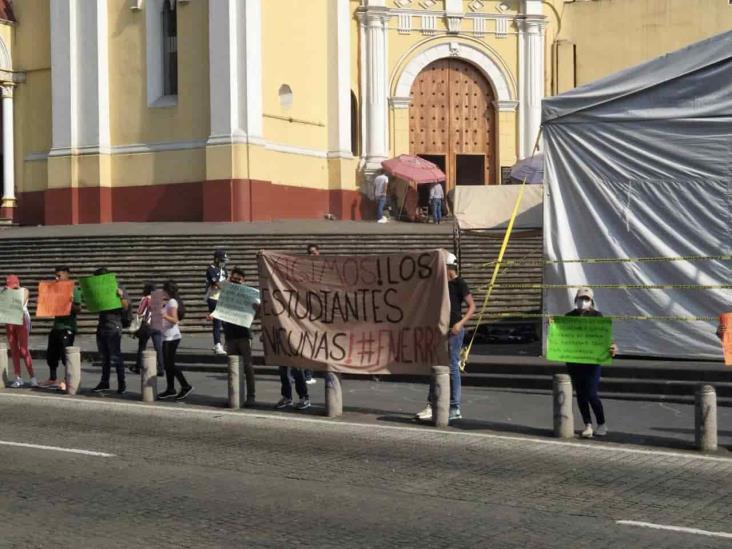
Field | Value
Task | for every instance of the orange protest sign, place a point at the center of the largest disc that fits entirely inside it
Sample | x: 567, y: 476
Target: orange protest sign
x: 54, y: 298
x: 725, y: 327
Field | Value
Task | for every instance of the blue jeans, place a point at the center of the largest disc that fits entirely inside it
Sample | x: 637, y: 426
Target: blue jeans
x: 108, y: 343
x: 216, y: 322
x: 437, y: 209
x: 380, y: 204
x: 586, y: 382
x: 157, y: 339
x: 454, y: 345
x: 300, y: 385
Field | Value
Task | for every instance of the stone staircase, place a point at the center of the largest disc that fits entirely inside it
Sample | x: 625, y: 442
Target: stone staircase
x: 137, y: 259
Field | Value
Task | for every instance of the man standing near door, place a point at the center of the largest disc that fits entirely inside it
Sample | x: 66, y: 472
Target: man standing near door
x: 437, y: 195
x: 380, y: 186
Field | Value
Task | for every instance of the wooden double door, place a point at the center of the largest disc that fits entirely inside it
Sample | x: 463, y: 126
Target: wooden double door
x: 452, y: 122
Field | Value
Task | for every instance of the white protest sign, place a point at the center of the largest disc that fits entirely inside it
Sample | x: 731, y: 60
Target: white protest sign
x: 11, y: 306
x: 237, y: 304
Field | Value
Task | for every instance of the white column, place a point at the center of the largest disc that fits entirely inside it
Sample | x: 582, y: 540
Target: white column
x: 235, y: 60
x: 339, y: 79
x: 531, y: 84
x: 374, y: 94
x: 8, y: 148
x: 80, y: 76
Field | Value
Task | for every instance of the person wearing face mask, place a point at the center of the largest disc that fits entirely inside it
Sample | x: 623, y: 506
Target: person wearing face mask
x: 586, y: 377
x: 216, y: 273
x: 239, y: 343
x: 17, y: 335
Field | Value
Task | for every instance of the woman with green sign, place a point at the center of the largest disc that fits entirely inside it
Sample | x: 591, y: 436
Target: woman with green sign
x: 586, y: 377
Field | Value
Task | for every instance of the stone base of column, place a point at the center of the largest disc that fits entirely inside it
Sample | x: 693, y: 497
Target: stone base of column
x: 8, y: 212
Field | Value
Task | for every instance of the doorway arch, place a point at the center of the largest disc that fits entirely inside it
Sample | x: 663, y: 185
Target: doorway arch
x: 452, y: 121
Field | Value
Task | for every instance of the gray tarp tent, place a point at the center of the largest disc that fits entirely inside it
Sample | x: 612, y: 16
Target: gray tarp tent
x: 639, y: 164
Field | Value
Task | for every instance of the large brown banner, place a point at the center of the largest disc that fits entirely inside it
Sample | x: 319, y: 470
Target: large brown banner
x: 375, y: 314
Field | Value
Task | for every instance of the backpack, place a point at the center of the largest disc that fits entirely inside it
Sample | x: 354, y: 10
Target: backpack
x: 181, y: 309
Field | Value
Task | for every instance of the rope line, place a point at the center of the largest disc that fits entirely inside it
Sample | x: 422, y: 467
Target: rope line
x: 612, y: 286
x: 601, y: 260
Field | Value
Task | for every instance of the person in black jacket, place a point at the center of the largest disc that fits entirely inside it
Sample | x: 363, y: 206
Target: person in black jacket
x: 586, y: 377
x: 216, y: 273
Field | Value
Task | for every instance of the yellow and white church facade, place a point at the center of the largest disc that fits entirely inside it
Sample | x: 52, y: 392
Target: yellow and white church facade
x: 244, y: 110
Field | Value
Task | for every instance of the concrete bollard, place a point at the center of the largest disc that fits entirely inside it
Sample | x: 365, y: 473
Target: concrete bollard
x: 235, y: 381
x: 3, y: 366
x: 73, y: 370
x: 333, y: 395
x: 149, y: 376
x: 440, y: 398
x: 563, y: 414
x: 705, y: 418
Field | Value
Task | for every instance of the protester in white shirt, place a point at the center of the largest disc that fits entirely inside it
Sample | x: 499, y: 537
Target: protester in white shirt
x: 437, y: 195
x: 173, y: 313
x: 380, y: 185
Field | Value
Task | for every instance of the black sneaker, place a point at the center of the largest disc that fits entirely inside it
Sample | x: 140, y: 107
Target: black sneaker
x: 122, y: 389
x: 184, y: 392
x: 102, y: 387
x: 168, y: 393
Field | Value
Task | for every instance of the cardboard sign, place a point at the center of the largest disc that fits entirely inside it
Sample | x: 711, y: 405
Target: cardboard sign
x: 370, y: 314
x: 100, y: 293
x: 237, y: 304
x: 580, y: 339
x: 725, y: 325
x: 54, y: 298
x: 11, y: 306
x: 157, y: 307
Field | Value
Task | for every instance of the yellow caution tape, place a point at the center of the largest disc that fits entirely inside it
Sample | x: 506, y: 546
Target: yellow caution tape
x: 714, y: 318
x: 539, y: 262
x: 613, y: 286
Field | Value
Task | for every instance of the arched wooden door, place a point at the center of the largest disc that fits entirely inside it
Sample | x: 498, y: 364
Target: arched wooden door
x: 452, y: 121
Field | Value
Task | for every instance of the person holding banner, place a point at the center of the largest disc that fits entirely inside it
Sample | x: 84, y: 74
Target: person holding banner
x: 63, y: 332
x: 459, y: 295
x: 109, y: 334
x: 313, y: 249
x: 18, y: 336
x: 173, y: 313
x: 586, y: 377
x: 215, y: 274
x: 239, y: 343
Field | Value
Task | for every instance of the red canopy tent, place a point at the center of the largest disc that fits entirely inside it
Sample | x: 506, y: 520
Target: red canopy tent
x: 409, y: 172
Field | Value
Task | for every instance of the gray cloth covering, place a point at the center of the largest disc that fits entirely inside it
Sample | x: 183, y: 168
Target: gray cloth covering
x: 639, y: 164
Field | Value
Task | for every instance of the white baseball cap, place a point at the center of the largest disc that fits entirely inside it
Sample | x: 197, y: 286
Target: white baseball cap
x: 451, y: 260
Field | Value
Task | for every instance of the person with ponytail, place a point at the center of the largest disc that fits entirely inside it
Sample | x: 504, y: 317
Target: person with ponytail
x: 173, y: 313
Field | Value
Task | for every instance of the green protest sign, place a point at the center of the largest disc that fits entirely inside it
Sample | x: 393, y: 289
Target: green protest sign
x: 236, y: 304
x: 11, y: 306
x: 580, y: 339
x: 100, y: 293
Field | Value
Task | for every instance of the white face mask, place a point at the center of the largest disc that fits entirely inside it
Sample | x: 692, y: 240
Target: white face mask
x: 583, y: 304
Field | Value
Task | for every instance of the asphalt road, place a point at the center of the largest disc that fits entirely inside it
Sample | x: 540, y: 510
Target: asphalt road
x: 172, y: 476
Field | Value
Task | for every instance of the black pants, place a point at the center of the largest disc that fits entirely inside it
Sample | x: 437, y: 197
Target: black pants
x: 58, y: 340
x: 586, y: 382
x: 300, y: 385
x: 109, y: 343
x: 172, y: 371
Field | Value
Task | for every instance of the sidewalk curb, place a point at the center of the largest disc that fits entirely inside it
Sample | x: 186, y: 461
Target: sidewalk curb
x: 257, y: 416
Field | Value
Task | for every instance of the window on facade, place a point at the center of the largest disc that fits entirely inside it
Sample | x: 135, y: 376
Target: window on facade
x: 170, y: 48
x: 285, y: 95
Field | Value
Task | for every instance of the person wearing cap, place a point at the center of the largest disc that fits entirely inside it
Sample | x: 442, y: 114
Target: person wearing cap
x: 216, y: 273
x: 18, y: 336
x: 459, y: 295
x: 62, y: 334
x: 586, y: 377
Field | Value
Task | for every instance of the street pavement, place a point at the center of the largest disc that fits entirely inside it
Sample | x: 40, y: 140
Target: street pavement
x: 108, y: 472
